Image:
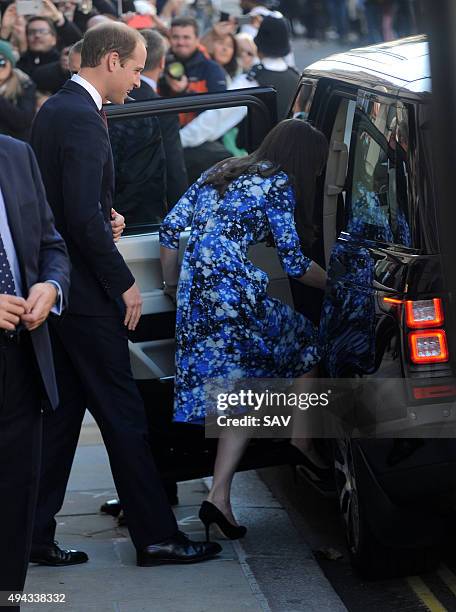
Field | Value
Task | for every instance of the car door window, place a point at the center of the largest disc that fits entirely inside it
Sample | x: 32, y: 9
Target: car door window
x: 155, y: 162
x: 140, y: 170
x: 376, y: 205
x: 304, y: 98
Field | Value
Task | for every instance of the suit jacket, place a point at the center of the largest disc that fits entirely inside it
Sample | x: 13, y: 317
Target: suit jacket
x: 139, y: 161
x: 176, y: 172
x: 40, y: 249
x: 72, y: 146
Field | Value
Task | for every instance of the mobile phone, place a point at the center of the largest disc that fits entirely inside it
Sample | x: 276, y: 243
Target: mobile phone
x: 224, y: 16
x: 29, y: 7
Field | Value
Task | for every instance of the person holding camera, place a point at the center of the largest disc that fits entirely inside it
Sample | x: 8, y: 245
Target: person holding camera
x: 17, y: 96
x: 189, y: 70
x: 199, y: 74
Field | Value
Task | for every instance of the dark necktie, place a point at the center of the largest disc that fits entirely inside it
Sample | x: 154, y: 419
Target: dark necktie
x: 103, y: 116
x: 7, y: 284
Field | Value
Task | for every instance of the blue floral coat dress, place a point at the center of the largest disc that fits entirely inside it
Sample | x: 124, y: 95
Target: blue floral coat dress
x: 226, y: 324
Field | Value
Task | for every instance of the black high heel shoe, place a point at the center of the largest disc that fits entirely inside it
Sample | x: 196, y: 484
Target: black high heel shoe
x: 211, y: 514
x: 321, y: 478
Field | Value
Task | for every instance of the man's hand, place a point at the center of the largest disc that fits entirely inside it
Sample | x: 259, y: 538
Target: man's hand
x: 12, y: 308
x: 41, y: 298
x: 117, y: 224
x: 133, y: 301
x: 177, y: 87
x: 223, y: 28
x: 9, y: 18
x: 52, y: 12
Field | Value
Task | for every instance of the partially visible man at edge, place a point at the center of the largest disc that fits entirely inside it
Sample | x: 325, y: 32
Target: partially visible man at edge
x: 34, y: 280
x: 71, y: 141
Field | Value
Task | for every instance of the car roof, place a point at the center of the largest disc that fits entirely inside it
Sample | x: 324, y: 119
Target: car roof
x: 401, y: 66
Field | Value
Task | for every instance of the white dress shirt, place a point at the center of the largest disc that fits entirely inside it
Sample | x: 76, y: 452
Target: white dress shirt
x: 11, y: 255
x: 149, y: 81
x: 90, y: 88
x: 213, y: 124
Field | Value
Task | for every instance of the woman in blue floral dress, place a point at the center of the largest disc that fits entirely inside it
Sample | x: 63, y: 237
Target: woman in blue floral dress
x: 226, y: 325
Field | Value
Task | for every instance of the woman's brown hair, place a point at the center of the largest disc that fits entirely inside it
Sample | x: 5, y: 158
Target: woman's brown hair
x: 294, y: 147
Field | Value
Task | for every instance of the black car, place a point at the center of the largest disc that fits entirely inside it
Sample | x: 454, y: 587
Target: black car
x: 383, y: 313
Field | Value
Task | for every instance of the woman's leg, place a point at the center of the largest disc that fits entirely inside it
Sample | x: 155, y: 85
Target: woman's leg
x: 231, y: 446
x: 305, y: 445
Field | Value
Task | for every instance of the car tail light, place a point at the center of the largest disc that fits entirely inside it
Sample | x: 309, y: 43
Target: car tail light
x: 424, y: 313
x: 428, y: 346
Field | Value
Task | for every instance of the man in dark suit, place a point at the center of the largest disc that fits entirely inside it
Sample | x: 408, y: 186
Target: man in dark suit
x: 140, y: 164
x: 34, y: 279
x: 176, y: 172
x: 90, y: 344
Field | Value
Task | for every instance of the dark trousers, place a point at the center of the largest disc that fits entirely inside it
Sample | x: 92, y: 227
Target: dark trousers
x: 20, y: 450
x: 93, y: 371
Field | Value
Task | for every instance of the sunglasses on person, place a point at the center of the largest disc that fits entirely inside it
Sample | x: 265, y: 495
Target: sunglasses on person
x: 38, y: 32
x: 3, y: 61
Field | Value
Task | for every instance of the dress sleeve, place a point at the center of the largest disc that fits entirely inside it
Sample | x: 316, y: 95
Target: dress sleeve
x: 179, y: 217
x: 280, y: 206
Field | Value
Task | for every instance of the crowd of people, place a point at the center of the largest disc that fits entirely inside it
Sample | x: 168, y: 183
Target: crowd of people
x: 208, y: 56
x: 350, y: 21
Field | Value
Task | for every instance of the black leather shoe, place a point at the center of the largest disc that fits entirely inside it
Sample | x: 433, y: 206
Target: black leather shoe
x: 111, y: 507
x: 179, y: 549
x: 53, y: 555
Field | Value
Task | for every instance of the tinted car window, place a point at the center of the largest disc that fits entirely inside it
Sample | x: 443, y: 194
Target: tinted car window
x: 154, y: 166
x: 377, y: 189
x: 304, y: 98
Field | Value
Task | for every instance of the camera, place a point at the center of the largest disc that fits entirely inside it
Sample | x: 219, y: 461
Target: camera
x: 174, y: 68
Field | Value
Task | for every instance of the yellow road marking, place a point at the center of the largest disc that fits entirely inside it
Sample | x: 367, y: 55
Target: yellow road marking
x: 423, y: 592
x: 448, y: 577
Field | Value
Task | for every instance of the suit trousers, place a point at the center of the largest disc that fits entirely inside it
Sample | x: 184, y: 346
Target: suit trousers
x: 21, y: 395
x: 93, y: 371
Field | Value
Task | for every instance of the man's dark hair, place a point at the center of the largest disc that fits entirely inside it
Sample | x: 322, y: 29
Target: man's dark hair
x: 106, y: 38
x: 156, y: 48
x: 46, y: 19
x: 185, y: 22
x: 294, y: 147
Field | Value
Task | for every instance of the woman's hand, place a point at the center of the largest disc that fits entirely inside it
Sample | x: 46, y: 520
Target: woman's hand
x: 314, y: 277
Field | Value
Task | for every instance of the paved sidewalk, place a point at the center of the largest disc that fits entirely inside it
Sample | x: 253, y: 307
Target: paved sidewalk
x: 269, y: 570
